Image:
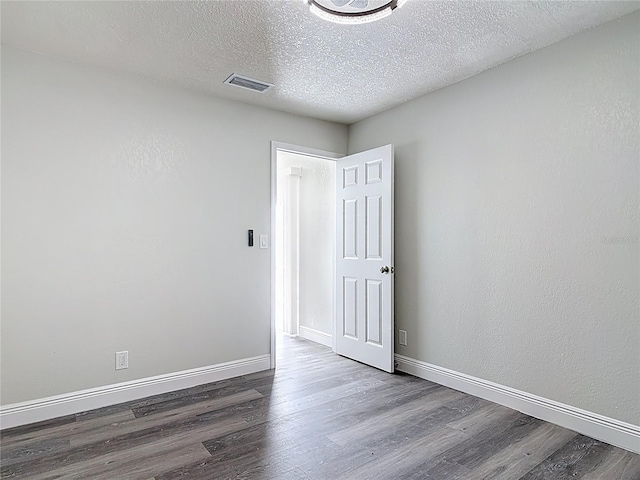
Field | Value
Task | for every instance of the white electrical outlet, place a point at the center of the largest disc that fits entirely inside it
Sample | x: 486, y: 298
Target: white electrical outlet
x: 402, y: 337
x: 122, y: 360
x: 264, y: 241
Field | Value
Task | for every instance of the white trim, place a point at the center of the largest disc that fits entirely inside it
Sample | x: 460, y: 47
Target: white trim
x: 316, y: 336
x: 615, y: 432
x: 312, y: 152
x: 32, y: 411
x: 295, y: 171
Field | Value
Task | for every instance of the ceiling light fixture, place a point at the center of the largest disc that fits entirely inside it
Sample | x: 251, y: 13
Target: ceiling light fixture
x: 353, y: 12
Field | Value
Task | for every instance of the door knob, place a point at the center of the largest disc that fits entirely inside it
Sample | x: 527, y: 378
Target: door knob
x: 384, y: 269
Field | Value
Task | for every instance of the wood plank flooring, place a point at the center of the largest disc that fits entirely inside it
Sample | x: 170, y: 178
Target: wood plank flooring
x: 319, y: 416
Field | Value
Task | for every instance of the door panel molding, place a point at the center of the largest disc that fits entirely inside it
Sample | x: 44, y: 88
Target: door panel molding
x: 364, y: 257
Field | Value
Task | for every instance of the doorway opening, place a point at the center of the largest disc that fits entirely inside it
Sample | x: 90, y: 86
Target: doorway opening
x: 303, y: 225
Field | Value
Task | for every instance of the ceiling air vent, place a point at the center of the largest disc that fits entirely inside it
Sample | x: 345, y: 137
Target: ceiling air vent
x: 249, y: 83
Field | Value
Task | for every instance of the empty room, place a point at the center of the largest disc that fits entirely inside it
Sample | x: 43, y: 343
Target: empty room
x: 320, y: 239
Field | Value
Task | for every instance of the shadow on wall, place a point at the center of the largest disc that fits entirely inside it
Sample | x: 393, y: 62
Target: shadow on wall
x: 410, y: 239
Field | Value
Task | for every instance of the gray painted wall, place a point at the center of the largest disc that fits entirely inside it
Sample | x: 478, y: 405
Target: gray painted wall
x: 517, y: 221
x: 125, y: 206
x: 125, y: 209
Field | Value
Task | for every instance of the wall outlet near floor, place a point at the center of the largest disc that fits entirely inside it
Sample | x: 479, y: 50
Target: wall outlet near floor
x: 122, y: 360
x: 402, y: 337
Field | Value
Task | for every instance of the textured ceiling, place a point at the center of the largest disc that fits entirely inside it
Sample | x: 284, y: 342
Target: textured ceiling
x: 335, y: 72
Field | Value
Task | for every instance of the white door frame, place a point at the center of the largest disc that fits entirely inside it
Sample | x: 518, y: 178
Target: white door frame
x: 311, y: 152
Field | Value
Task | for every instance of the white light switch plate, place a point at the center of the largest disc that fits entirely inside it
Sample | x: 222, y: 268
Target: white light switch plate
x: 264, y: 241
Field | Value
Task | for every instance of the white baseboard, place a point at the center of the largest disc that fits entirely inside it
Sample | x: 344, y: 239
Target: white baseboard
x: 615, y: 432
x: 41, y: 409
x: 316, y: 336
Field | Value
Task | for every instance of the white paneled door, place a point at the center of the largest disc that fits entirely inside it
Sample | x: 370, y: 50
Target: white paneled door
x: 364, y: 257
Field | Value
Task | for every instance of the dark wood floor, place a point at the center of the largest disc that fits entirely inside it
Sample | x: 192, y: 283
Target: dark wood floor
x: 319, y: 417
